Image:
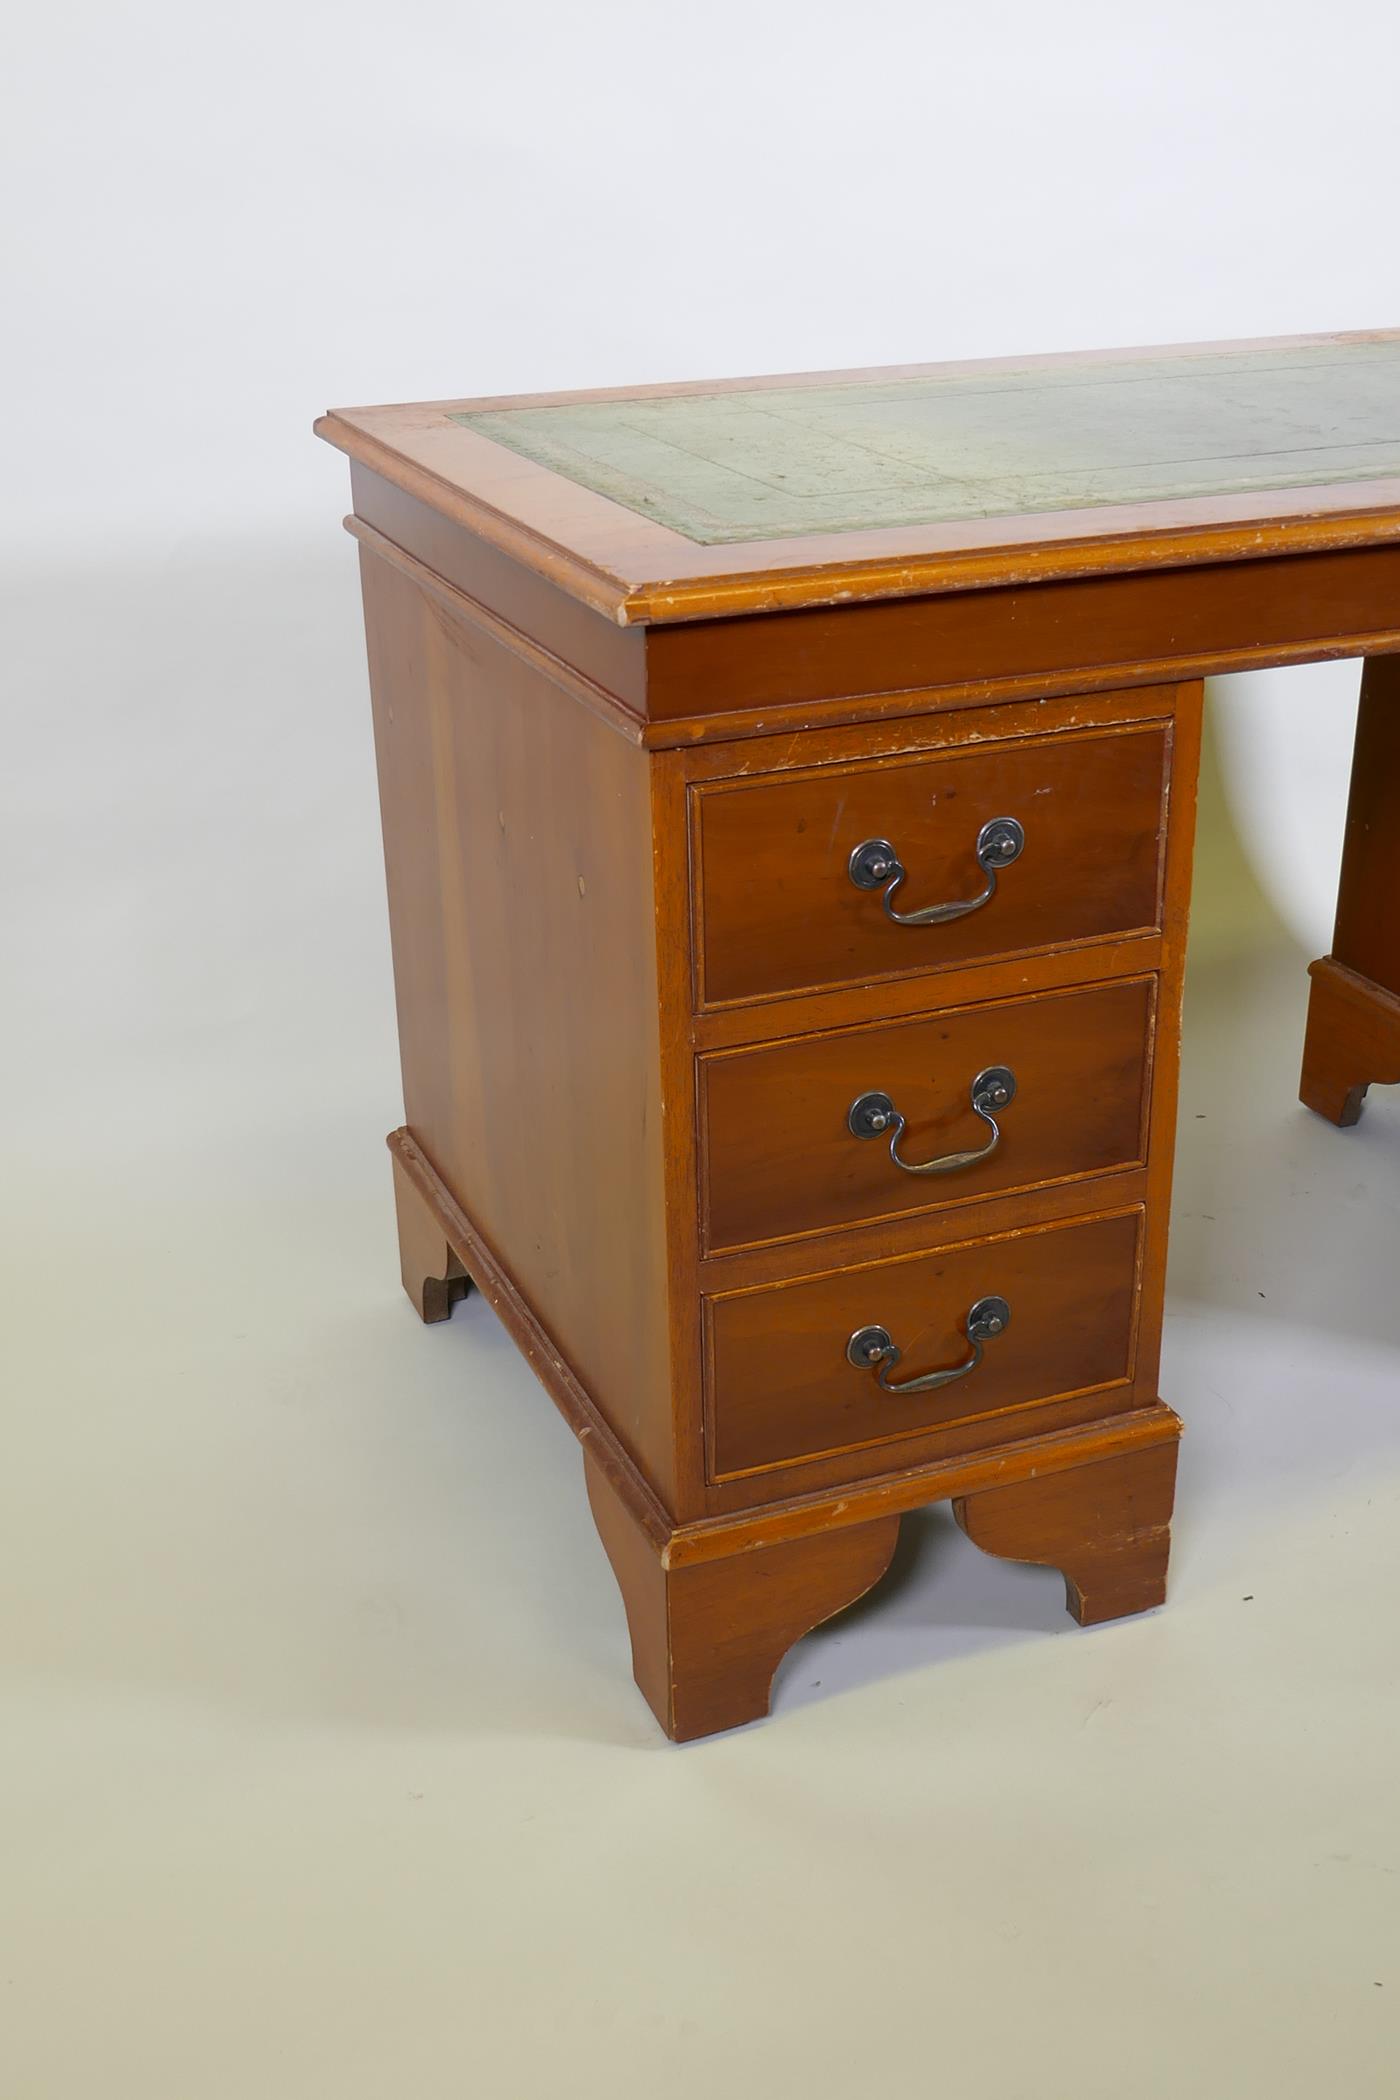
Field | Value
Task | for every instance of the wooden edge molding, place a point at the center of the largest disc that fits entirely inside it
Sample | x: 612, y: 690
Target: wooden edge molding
x: 766, y: 1024
x: 1079, y: 553
x: 894, y: 1494
x: 596, y: 698
x: 1350, y: 985
x: 720, y: 1537
x: 773, y: 575
x: 790, y: 716
x: 591, y: 586
x: 846, y: 709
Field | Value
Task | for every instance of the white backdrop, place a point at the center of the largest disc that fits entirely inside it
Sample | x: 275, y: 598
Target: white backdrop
x: 221, y: 222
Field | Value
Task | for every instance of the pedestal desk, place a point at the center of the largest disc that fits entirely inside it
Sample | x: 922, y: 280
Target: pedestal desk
x: 788, y: 791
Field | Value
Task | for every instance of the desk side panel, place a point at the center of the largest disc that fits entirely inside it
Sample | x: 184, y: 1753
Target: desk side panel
x: 517, y: 840
x: 598, y: 648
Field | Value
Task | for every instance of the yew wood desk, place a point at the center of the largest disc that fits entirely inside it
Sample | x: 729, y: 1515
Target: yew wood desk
x: 788, y: 792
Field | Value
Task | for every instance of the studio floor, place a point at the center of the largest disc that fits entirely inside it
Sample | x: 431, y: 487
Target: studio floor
x: 324, y: 1775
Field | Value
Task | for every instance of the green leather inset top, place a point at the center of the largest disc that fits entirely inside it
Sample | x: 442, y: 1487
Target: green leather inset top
x: 853, y: 456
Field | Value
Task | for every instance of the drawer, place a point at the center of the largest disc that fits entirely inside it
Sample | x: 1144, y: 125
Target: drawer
x: 781, y: 1387
x: 777, y: 910
x: 781, y: 1157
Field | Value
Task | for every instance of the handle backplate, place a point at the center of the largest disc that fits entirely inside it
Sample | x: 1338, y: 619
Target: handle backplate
x: 874, y: 865
x: 874, y: 1349
x: 875, y: 1115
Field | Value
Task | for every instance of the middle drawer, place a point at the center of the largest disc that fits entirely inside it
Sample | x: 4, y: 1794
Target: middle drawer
x: 796, y: 1135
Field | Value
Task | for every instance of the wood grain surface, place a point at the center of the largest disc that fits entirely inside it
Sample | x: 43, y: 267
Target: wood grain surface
x: 1106, y: 1527
x: 777, y: 911
x: 781, y: 1388
x: 708, y: 1636
x: 780, y: 1159
x: 1353, y: 1033
x: 1352, y: 1042
x: 517, y: 835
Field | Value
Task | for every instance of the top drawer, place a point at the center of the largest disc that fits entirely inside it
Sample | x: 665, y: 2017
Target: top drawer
x: 777, y: 909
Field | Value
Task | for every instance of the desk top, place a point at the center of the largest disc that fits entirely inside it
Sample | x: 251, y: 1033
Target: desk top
x: 665, y: 503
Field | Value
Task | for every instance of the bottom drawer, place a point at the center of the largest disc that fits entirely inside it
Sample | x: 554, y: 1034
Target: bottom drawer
x: 781, y: 1387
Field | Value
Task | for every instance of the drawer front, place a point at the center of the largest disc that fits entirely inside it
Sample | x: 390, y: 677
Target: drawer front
x: 782, y: 1389
x: 777, y: 910
x: 782, y: 1159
